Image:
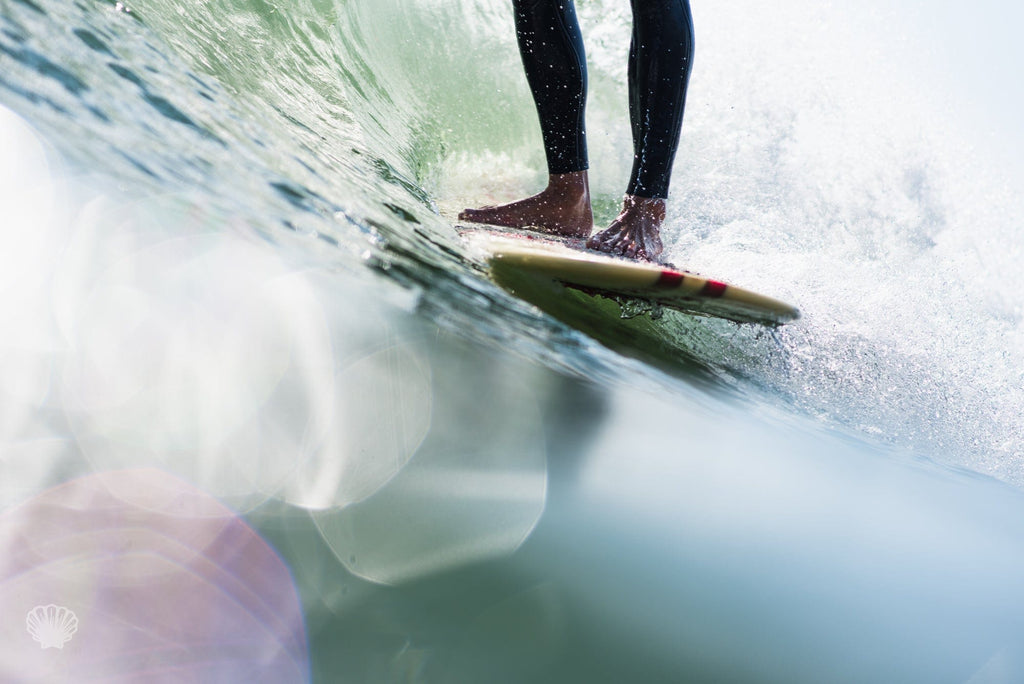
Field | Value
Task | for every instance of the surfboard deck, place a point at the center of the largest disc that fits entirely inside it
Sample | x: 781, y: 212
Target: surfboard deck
x: 567, y: 261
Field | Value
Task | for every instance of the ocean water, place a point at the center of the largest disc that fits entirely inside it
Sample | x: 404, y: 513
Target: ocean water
x: 265, y: 417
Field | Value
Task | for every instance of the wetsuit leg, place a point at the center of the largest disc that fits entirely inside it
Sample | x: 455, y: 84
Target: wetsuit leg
x: 551, y: 46
x: 660, y: 59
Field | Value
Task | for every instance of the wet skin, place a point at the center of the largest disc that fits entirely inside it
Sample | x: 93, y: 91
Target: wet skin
x: 563, y: 208
x: 636, y: 231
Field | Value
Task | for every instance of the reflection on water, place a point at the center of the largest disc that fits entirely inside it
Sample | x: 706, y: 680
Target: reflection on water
x: 475, y: 486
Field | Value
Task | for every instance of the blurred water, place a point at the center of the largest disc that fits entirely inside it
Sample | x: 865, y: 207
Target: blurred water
x: 228, y: 264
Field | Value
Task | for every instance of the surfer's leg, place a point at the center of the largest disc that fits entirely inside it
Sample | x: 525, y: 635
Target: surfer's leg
x: 660, y: 58
x: 551, y: 47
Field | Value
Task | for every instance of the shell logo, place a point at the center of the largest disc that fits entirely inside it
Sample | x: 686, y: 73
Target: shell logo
x: 51, y: 625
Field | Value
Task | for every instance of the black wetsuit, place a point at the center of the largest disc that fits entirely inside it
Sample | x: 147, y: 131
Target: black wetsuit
x: 660, y: 58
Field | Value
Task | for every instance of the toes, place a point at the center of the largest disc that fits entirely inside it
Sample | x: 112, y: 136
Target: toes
x: 599, y: 241
x: 614, y: 241
x: 611, y: 238
x: 628, y: 242
x: 480, y: 214
x: 625, y: 245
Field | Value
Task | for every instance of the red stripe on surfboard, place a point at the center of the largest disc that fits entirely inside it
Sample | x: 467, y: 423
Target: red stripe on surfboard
x: 669, y: 279
x: 713, y: 288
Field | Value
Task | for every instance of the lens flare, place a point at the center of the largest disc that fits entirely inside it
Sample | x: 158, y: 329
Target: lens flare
x: 156, y: 578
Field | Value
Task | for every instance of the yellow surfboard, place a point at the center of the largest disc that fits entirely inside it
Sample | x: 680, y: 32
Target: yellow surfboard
x: 567, y: 261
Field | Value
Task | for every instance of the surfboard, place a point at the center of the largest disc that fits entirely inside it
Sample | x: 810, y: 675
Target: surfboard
x: 568, y: 262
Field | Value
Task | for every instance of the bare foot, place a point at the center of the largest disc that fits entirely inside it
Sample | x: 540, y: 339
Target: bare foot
x: 562, y: 208
x: 635, y: 233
